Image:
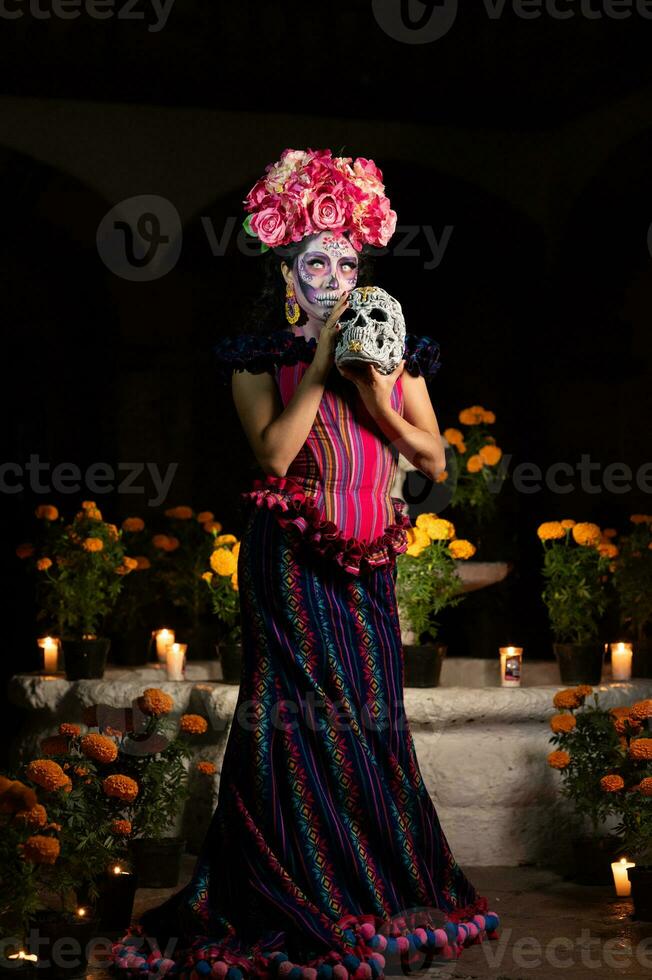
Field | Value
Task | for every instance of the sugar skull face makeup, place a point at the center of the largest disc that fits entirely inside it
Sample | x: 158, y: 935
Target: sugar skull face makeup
x: 325, y: 269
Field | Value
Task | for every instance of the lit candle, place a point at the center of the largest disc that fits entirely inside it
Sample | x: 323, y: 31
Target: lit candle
x: 50, y: 647
x: 621, y: 881
x: 81, y: 912
x: 175, y: 662
x: 510, y: 666
x: 22, y: 955
x: 164, y: 640
x: 621, y: 661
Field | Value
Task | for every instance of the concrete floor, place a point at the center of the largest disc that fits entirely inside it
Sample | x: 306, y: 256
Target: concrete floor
x: 549, y: 928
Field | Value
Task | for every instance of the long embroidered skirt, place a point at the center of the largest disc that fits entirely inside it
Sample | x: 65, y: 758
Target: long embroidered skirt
x: 325, y: 856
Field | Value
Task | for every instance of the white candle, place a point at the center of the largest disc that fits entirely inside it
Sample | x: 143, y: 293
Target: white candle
x: 50, y: 647
x: 175, y: 662
x: 164, y: 640
x: 621, y: 881
x: 621, y: 661
x: 22, y: 955
x: 511, y: 659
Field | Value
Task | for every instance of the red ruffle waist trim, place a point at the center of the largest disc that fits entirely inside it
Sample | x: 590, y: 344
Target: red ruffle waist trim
x: 296, y: 512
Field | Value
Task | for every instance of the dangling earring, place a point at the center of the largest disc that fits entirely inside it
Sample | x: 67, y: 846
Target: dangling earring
x: 292, y: 309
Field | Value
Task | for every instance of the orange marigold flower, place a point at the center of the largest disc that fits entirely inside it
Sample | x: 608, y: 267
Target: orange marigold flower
x: 39, y: 849
x: 153, y: 701
x: 92, y: 544
x: 559, y: 760
x: 640, y: 518
x: 47, y: 774
x: 568, y: 698
x: 54, y: 745
x: 205, y: 515
x: 212, y: 527
x: 70, y: 729
x: 586, y: 534
x: 121, y: 787
x: 161, y: 541
x: 563, y: 723
x: 193, y: 724
x: 113, y: 531
x: 473, y: 415
x: 490, y: 454
x: 607, y: 549
x: 641, y: 709
x: 612, y: 783
x: 94, y: 514
x: 474, y: 463
x: 489, y: 418
x: 47, y: 512
x: 15, y: 796
x: 626, y: 726
x: 567, y: 523
x: 43, y: 564
x: 121, y: 827
x: 25, y: 550
x: 99, y: 748
x: 81, y: 771
x: 142, y: 562
x: 550, y: 531
x: 453, y: 436
x: 180, y: 513
x: 610, y: 532
x: 207, y: 768
x: 620, y: 712
x: 645, y: 786
x: 583, y: 690
x: 640, y: 748
x: 133, y: 524
x: 34, y: 818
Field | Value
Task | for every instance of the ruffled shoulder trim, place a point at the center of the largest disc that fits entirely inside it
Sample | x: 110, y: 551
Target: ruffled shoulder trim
x: 296, y: 512
x: 421, y: 355
x: 260, y: 353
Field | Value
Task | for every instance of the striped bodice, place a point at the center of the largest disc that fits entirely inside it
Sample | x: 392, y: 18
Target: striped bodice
x: 346, y: 463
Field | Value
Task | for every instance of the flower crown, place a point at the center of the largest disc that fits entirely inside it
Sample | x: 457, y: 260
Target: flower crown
x: 309, y: 191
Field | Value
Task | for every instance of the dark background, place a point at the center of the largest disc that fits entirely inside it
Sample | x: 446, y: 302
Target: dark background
x: 531, y: 138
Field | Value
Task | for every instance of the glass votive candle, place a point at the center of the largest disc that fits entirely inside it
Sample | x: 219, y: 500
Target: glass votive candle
x: 164, y: 639
x: 50, y: 647
x: 621, y: 661
x: 511, y: 660
x: 175, y: 661
x: 622, y: 883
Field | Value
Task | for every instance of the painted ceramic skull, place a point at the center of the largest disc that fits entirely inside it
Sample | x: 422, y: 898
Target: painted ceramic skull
x: 373, y: 330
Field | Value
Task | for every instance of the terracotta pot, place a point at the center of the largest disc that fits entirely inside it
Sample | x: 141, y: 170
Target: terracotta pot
x: 593, y: 857
x: 422, y: 664
x: 230, y: 655
x: 85, y: 659
x: 157, y: 861
x: 579, y: 663
x: 641, y: 879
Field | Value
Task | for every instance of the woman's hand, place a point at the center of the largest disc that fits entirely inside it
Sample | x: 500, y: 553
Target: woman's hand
x: 375, y: 388
x: 325, y: 351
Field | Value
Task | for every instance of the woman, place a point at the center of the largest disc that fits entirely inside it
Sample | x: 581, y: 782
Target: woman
x: 324, y: 857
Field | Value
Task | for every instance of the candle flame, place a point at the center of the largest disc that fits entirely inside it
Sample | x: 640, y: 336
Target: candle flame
x: 81, y: 912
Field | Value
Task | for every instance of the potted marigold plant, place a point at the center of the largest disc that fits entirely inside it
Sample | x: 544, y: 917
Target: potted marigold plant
x: 576, y: 565
x: 587, y: 740
x: 427, y: 582
x: 134, y: 614
x: 633, y: 585
x: 150, y: 779
x: 80, y: 567
x: 222, y: 582
x: 477, y: 467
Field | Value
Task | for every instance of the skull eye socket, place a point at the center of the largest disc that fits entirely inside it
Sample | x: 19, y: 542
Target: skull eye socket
x: 380, y: 316
x: 348, y: 315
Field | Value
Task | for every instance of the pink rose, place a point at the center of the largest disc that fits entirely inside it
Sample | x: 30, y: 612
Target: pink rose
x: 368, y: 170
x: 327, y: 212
x: 387, y: 227
x: 269, y: 226
x: 256, y: 195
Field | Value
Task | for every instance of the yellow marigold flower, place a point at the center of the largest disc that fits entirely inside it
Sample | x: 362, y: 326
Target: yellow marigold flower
x: 180, y: 513
x: 223, y: 562
x: 212, y: 527
x: 461, y: 549
x: 193, y: 724
x: 15, y: 796
x: 473, y: 415
x: 645, y: 786
x: 234, y: 581
x: 568, y: 523
x: 417, y: 536
x: 34, y: 818
x: 205, y: 515
x: 641, y: 709
x: 47, y: 511
x: 39, y: 849
x: 121, y: 787
x: 453, y: 436
x: 490, y: 454
x: 423, y: 520
x: 551, y: 531
x: 92, y: 544
x: 43, y: 564
x: 133, y: 524
x: 441, y: 477
x: 207, y: 576
x: 235, y: 550
x: 586, y: 533
x: 122, y: 828
x: 153, y: 701
x: 607, y: 550
x: 46, y: 773
x: 440, y: 530
x: 142, y: 562
x: 558, y: 760
x: 612, y: 783
x: 641, y: 748
x: 568, y: 698
x: 223, y: 539
x: 207, y: 768
x: 563, y: 723
x: 640, y: 518
x: 25, y: 550
x: 99, y: 748
x: 54, y: 745
x: 474, y: 463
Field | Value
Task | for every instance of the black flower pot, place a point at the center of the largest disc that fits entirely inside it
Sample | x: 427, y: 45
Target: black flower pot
x: 593, y: 857
x: 156, y: 862
x: 422, y: 664
x: 115, y: 902
x: 230, y: 655
x: 85, y: 659
x: 641, y: 879
x: 642, y: 659
x: 64, y: 943
x: 579, y: 663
